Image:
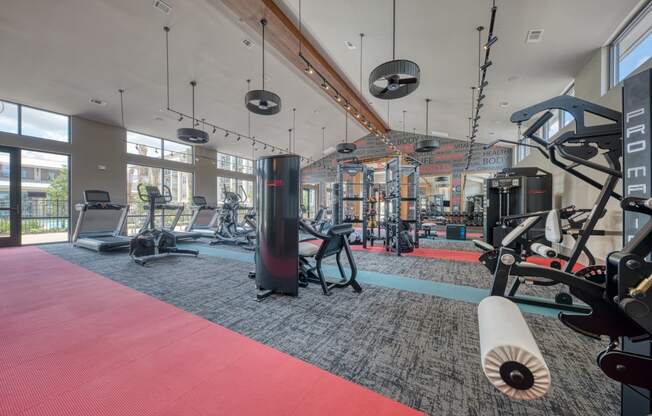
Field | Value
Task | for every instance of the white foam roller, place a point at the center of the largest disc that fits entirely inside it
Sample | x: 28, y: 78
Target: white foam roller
x: 508, y: 347
x: 543, y: 250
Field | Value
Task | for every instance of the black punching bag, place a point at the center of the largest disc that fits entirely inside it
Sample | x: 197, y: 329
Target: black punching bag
x: 277, y: 251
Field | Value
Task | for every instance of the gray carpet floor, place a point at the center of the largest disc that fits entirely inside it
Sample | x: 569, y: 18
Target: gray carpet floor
x: 417, y: 349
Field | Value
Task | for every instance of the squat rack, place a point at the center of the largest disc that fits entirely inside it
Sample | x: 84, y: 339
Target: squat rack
x: 402, y: 186
x: 351, y: 193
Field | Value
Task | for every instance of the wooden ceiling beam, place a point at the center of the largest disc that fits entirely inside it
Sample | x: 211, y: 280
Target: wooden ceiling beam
x: 283, y: 35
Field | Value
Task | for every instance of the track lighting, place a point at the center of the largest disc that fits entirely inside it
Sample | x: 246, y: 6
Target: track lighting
x: 265, y: 147
x: 238, y: 139
x: 338, y: 98
x: 309, y: 70
x: 357, y: 115
x: 481, y: 97
x: 214, y: 129
x: 226, y: 134
x: 325, y: 85
x: 484, y: 84
x: 485, y: 66
x: 180, y: 119
x: 490, y: 42
x: 479, y: 106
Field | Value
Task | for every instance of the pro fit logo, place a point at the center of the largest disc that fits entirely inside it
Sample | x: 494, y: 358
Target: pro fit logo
x: 274, y: 183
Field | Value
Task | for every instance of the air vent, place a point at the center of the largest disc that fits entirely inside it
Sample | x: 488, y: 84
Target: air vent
x: 162, y: 6
x: 97, y: 101
x: 349, y: 45
x: 534, y: 36
x: 248, y: 43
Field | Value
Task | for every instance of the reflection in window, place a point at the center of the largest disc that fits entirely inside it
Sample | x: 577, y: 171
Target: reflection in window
x: 177, y: 152
x: 44, y: 124
x: 142, y: 145
x: 8, y: 117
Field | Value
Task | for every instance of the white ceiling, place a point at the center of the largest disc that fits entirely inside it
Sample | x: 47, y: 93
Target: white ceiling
x: 441, y: 37
x: 57, y: 55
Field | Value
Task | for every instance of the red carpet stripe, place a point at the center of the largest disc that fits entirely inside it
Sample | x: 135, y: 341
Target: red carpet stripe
x: 76, y: 343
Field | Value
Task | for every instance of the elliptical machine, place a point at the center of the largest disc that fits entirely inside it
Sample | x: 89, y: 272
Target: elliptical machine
x: 152, y: 243
x: 229, y: 231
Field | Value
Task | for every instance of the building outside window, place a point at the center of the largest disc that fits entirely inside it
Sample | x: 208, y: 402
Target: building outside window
x: 235, y: 163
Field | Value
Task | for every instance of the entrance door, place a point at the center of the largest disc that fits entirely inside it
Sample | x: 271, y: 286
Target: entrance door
x: 9, y: 196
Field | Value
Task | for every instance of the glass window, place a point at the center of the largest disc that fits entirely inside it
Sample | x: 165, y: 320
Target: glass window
x: 44, y: 197
x: 633, y: 47
x: 180, y: 184
x: 552, y: 126
x: 137, y: 174
x: 140, y: 144
x: 242, y: 187
x: 44, y: 124
x: 177, y: 152
x: 8, y: 117
x: 245, y: 165
x: 226, y: 162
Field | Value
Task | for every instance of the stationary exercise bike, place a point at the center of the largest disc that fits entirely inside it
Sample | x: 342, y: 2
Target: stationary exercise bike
x: 152, y: 243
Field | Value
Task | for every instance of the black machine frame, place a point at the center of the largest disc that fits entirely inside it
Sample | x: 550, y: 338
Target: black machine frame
x: 394, y: 199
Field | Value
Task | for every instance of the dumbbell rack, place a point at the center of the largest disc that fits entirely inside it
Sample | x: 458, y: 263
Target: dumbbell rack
x: 394, y: 172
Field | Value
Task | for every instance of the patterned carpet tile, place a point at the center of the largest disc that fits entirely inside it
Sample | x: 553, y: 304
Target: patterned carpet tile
x: 418, y: 349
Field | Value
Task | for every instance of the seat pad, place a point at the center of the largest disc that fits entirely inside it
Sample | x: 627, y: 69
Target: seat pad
x: 308, y: 249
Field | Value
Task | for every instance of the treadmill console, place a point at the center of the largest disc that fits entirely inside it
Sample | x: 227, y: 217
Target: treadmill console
x: 95, y: 196
x: 199, y: 200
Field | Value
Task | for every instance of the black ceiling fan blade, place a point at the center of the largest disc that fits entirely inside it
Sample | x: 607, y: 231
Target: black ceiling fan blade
x: 410, y: 80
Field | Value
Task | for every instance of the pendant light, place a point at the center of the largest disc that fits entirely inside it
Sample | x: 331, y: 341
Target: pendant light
x: 263, y: 102
x: 191, y: 134
x: 396, y: 78
x: 346, y: 147
x: 427, y: 144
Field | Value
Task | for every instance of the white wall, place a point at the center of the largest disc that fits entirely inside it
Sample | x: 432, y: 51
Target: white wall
x: 568, y: 190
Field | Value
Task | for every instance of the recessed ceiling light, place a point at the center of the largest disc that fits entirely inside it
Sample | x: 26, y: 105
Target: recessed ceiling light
x: 503, y: 104
x: 97, y: 101
x: 349, y: 45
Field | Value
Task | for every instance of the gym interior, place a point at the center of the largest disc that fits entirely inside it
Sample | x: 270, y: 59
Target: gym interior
x: 304, y: 207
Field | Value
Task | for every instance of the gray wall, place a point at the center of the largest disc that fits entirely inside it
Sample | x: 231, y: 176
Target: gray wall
x: 98, y: 160
x: 569, y: 190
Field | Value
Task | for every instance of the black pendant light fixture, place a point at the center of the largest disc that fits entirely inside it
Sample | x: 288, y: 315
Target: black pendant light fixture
x: 396, y: 78
x: 427, y: 144
x: 346, y: 147
x: 263, y: 102
x: 191, y: 134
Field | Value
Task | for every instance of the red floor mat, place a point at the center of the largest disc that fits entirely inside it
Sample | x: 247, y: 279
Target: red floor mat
x: 76, y: 343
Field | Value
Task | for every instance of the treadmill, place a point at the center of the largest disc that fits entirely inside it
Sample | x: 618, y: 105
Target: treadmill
x: 204, y: 218
x: 96, y: 227
x: 178, y: 235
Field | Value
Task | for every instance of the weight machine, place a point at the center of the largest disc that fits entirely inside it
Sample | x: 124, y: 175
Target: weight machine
x: 402, y: 214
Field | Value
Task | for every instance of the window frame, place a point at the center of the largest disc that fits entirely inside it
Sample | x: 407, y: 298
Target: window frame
x: 19, y: 121
x: 614, y: 49
x: 162, y: 155
x: 234, y: 167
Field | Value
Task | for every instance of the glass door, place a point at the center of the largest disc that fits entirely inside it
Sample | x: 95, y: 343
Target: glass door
x: 9, y: 196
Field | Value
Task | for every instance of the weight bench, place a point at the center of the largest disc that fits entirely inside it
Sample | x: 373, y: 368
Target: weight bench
x: 333, y: 243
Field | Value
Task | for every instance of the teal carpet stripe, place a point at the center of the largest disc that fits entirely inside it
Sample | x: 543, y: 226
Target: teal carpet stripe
x: 427, y: 287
